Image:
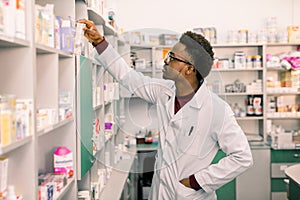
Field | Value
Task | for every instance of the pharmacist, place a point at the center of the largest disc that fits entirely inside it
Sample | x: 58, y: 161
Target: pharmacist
x: 194, y: 123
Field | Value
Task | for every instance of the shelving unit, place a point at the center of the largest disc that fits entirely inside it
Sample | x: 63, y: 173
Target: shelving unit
x: 98, y: 118
x: 220, y: 77
x: 250, y: 124
x: 226, y: 76
x: 153, y: 56
x: 288, y: 120
x: 55, y: 73
x: 38, y: 73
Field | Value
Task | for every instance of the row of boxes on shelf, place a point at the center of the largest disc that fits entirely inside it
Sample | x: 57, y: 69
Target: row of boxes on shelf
x: 12, y: 18
x: 51, y: 116
x: 270, y: 33
x: 253, y: 107
x: 284, y: 81
x: 109, y: 93
x: 51, y: 184
x: 237, y: 86
x: 288, y: 60
x: 15, y: 118
x: 243, y: 36
x: 283, y: 106
x: 54, y: 31
x: 138, y: 37
x: 266, y: 35
x: 240, y: 61
x: 282, y: 138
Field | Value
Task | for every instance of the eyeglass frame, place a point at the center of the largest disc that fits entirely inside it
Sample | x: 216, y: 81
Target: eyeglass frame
x: 170, y: 56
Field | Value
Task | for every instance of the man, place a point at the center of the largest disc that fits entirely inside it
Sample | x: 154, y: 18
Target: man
x: 194, y: 123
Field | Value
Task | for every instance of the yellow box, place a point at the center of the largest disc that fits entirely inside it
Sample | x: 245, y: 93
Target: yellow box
x: 294, y: 34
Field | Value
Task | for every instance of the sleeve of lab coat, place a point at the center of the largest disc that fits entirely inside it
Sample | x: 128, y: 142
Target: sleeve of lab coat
x: 234, y: 144
x: 142, y: 86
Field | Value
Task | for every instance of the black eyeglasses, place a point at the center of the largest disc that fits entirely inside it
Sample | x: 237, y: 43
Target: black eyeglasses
x: 171, y: 56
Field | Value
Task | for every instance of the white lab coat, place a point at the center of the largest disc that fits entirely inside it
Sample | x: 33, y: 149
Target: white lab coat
x: 190, y: 139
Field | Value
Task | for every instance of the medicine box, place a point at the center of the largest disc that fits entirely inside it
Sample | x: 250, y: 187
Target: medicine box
x: 63, y: 161
x: 3, y: 173
x: 67, y: 34
x: 294, y: 34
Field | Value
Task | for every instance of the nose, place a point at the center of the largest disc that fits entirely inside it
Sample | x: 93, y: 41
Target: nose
x: 166, y: 62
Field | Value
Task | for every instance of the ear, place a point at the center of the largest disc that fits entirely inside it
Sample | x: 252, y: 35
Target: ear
x: 189, y: 71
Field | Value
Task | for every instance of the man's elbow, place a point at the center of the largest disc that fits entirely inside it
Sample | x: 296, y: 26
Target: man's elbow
x: 248, y: 161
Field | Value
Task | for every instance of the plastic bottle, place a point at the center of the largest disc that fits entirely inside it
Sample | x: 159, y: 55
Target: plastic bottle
x: 148, y: 137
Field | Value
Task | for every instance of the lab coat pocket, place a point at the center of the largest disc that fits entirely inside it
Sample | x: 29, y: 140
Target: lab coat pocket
x: 184, y: 192
x: 186, y: 140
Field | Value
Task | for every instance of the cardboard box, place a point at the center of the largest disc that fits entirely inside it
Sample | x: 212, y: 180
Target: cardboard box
x: 67, y: 33
x: 294, y: 34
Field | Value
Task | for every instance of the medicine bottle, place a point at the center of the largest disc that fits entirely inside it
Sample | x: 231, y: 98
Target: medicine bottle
x: 257, y: 61
x: 250, y: 109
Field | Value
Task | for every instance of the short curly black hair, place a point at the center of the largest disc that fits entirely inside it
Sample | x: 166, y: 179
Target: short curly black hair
x: 202, y: 41
x: 192, y: 51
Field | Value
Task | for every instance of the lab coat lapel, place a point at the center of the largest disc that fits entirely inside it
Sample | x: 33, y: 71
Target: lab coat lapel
x: 170, y: 106
x: 200, y: 96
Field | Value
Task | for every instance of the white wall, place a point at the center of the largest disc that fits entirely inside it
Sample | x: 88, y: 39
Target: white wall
x: 223, y: 14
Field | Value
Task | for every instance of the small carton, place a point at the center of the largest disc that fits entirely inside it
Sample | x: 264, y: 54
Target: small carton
x: 3, y: 173
x: 294, y: 34
x: 63, y: 161
x: 67, y: 34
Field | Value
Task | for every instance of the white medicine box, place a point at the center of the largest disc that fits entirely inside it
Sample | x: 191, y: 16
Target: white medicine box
x: 3, y: 173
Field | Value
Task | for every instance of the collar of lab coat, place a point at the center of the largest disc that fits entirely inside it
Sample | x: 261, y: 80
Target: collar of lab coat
x: 196, y: 102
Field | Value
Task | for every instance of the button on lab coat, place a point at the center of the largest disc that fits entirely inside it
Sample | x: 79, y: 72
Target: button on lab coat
x: 189, y: 139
